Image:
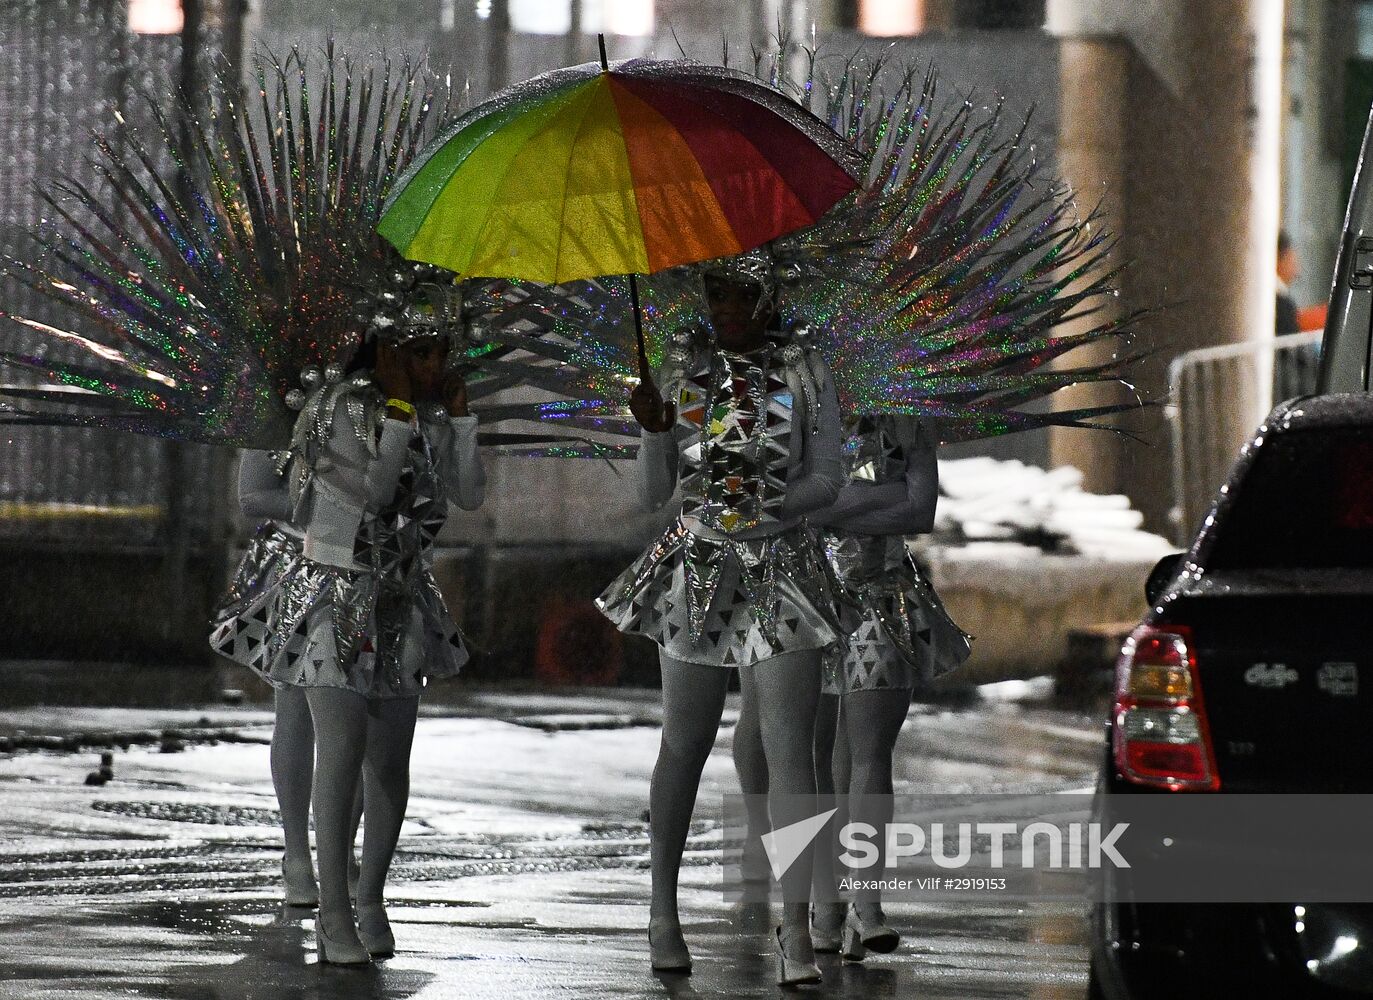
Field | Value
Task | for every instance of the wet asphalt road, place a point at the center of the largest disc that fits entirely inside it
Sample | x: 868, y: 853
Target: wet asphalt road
x: 521, y: 871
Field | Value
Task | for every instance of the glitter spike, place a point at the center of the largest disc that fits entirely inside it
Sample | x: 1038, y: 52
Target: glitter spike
x: 230, y: 258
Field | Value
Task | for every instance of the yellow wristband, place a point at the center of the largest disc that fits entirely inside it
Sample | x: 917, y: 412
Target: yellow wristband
x: 402, y: 405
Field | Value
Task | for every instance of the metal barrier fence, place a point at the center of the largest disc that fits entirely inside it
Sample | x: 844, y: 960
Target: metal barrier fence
x: 1207, y: 432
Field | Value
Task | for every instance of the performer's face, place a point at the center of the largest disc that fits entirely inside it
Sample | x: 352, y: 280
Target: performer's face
x: 425, y: 357
x: 738, y: 311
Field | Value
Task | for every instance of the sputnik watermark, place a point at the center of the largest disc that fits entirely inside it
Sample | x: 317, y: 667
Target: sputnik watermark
x: 1073, y: 845
x: 1052, y: 845
x: 785, y: 844
x: 908, y: 840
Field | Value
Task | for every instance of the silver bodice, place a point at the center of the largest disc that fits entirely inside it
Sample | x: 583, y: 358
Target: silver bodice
x: 397, y: 541
x: 738, y: 413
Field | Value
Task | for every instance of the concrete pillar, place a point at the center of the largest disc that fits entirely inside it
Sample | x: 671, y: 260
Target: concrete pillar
x: 498, y: 46
x: 1198, y: 200
x: 572, y: 41
x: 793, y: 19
x: 1094, y: 76
x: 1000, y: 14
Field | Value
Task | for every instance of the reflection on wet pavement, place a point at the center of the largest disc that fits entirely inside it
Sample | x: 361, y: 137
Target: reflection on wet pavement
x: 226, y: 950
x: 522, y: 875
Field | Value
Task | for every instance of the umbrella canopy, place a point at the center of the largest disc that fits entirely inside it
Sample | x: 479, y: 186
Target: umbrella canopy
x: 626, y: 169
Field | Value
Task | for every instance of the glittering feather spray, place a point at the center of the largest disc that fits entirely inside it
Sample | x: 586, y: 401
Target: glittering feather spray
x: 950, y: 286
x: 227, y: 256
x: 953, y: 285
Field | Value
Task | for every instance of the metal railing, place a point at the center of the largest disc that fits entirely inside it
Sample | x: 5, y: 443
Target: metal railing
x: 1210, y: 388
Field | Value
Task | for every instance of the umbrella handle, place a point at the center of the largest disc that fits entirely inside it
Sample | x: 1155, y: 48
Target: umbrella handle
x: 644, y: 373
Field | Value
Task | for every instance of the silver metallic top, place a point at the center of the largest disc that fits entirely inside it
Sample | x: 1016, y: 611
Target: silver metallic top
x: 756, y: 444
x: 349, y: 459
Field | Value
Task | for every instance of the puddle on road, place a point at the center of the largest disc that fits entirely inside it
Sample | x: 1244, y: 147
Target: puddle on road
x: 253, y: 867
x: 226, y: 950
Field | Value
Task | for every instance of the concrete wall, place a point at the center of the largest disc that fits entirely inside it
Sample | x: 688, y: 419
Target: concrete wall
x: 113, y: 605
x: 1022, y: 611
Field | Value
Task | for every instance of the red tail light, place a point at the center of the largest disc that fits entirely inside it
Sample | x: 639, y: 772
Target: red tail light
x: 1161, y: 734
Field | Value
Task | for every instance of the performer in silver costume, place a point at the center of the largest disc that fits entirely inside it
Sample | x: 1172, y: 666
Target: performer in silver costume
x: 271, y: 316
x: 751, y: 436
x: 343, y: 617
x: 359, y: 622
x: 343, y: 614
x: 905, y: 639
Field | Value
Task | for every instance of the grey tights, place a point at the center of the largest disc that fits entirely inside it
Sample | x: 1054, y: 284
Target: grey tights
x: 872, y: 722
x: 358, y: 741
x: 855, y: 739
x: 783, y: 691
x: 293, y: 766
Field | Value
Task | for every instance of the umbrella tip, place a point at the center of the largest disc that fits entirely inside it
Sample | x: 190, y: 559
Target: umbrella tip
x: 600, y: 40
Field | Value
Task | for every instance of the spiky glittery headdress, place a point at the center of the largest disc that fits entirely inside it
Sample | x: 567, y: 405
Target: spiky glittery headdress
x: 239, y: 250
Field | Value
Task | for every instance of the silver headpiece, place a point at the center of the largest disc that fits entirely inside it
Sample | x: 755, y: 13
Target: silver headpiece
x: 413, y: 301
x: 754, y: 266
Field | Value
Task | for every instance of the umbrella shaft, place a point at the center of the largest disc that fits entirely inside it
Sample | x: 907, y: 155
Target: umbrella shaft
x: 638, y: 325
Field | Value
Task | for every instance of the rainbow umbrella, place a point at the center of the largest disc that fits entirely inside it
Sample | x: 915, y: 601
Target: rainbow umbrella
x: 606, y: 169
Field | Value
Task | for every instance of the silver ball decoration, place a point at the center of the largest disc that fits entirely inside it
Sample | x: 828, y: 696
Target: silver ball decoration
x: 310, y: 376
x: 295, y: 399
x: 683, y: 343
x: 333, y: 374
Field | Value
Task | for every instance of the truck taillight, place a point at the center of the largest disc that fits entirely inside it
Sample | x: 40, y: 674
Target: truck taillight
x: 1160, y: 733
